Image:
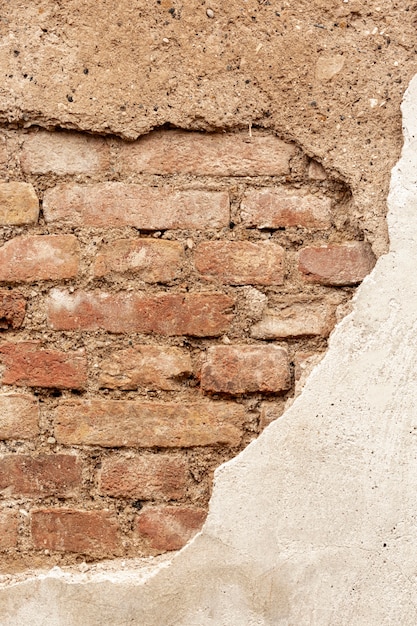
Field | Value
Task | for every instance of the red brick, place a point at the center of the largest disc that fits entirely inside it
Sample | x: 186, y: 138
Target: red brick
x: 211, y: 154
x: 12, y: 309
x: 299, y: 319
x: 9, y: 525
x: 25, y: 363
x: 169, y: 528
x: 64, y: 153
x: 39, y: 257
x: 345, y: 264
x: 153, y: 261
x: 153, y: 367
x: 19, y: 204
x: 245, y: 369
x: 46, y: 475
x: 113, y: 205
x: 95, y: 533
x: 19, y: 416
x: 146, y: 477
x: 196, y: 314
x: 114, y: 423
x: 241, y: 262
x: 277, y: 208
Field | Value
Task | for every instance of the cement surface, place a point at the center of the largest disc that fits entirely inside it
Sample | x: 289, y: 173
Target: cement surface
x: 314, y: 524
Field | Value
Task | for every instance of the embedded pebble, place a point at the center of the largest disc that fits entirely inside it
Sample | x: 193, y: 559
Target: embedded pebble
x: 210, y: 13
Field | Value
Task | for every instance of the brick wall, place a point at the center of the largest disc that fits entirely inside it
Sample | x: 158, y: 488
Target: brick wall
x: 158, y: 300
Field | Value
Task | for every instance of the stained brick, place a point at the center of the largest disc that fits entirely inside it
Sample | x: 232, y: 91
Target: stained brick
x: 112, y: 205
x: 214, y: 154
x: 146, y: 477
x: 245, y: 369
x: 153, y: 261
x: 39, y: 257
x: 153, y: 367
x: 25, y: 363
x: 114, y: 423
x: 19, y: 204
x: 46, y: 475
x: 277, y: 208
x: 19, y: 416
x: 196, y: 314
x: 345, y: 264
x: 169, y: 528
x: 12, y: 309
x: 295, y: 320
x: 9, y: 524
x: 241, y: 262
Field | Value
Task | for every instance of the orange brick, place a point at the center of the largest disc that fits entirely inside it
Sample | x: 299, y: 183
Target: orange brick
x: 46, y: 475
x: 245, y: 369
x: 25, y: 363
x: 146, y: 477
x: 277, y: 208
x: 168, y: 527
x: 153, y: 261
x: 9, y: 524
x: 153, y: 367
x: 112, y: 205
x: 112, y: 423
x: 12, y: 309
x: 241, y: 262
x: 19, y: 416
x: 196, y: 314
x: 64, y: 153
x: 19, y: 204
x: 39, y: 257
x: 211, y: 154
x: 345, y: 264
x: 95, y: 533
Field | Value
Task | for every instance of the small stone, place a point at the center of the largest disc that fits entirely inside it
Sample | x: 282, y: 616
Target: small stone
x: 51, y: 440
x: 210, y: 13
x: 165, y: 40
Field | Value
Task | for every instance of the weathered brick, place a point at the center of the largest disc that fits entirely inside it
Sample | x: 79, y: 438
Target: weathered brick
x: 64, y: 153
x: 19, y: 204
x: 111, y: 423
x: 270, y: 411
x: 39, y: 257
x: 168, y: 527
x: 241, y: 262
x: 25, y: 363
x: 112, y: 205
x: 304, y: 363
x: 95, y: 533
x: 245, y: 369
x: 153, y: 367
x: 19, y: 416
x: 9, y: 524
x: 345, y: 264
x: 196, y: 314
x: 277, y: 208
x: 214, y: 154
x: 46, y: 475
x: 299, y: 319
x: 146, y: 477
x: 153, y: 261
x: 12, y: 309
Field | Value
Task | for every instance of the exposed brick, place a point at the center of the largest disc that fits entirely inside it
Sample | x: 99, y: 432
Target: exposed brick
x: 276, y: 208
x: 245, y: 369
x: 299, y: 319
x: 146, y: 477
x: 46, y: 475
x: 19, y: 416
x: 111, y: 423
x: 345, y: 264
x: 112, y: 205
x: 19, y: 204
x: 95, y: 533
x: 270, y: 411
x: 241, y: 262
x: 9, y: 524
x: 39, y: 257
x: 316, y: 171
x: 304, y: 362
x: 153, y: 367
x: 169, y: 528
x: 196, y: 314
x: 25, y: 363
x: 214, y: 154
x: 64, y: 153
x: 153, y: 261
x: 12, y: 309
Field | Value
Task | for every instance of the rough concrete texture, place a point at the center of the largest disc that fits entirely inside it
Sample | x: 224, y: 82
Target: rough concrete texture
x: 314, y: 523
